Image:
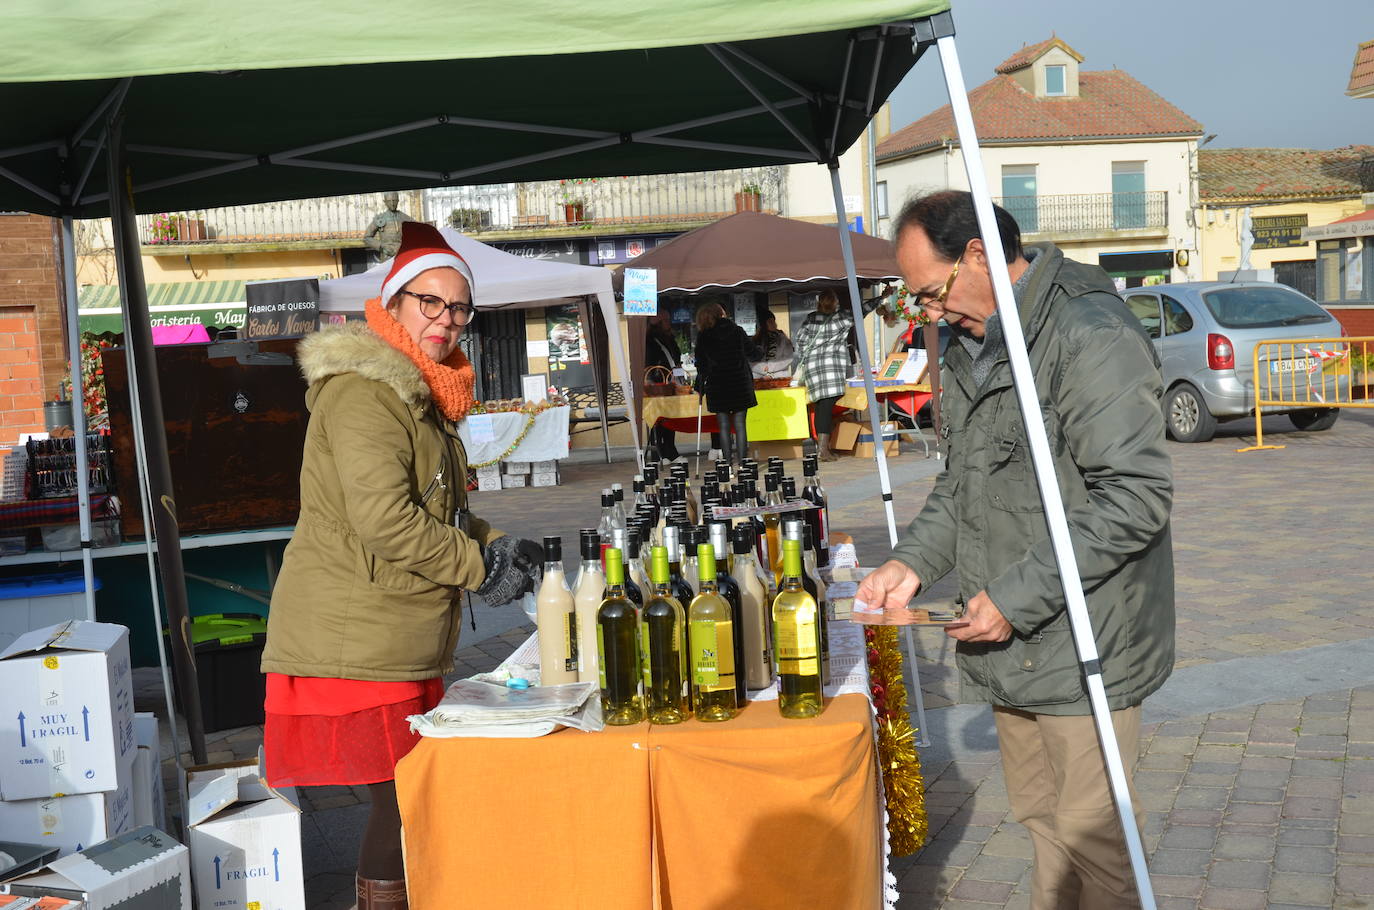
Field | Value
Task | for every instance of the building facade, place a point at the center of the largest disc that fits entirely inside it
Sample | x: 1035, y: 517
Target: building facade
x: 1092, y: 160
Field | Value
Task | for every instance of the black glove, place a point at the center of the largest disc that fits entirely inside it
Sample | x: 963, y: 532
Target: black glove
x: 529, y: 556
x: 507, y: 578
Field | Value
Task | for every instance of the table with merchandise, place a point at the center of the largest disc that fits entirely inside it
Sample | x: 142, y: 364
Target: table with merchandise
x: 633, y: 773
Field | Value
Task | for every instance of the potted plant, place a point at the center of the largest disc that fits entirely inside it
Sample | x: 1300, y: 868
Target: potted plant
x: 749, y: 198
x: 574, y: 199
x: 469, y: 221
x: 163, y: 229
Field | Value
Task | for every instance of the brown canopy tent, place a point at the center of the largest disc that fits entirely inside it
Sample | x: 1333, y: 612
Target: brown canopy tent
x: 751, y: 251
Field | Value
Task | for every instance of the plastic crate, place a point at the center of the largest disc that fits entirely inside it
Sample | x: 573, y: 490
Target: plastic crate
x: 38, y: 601
x: 228, y: 649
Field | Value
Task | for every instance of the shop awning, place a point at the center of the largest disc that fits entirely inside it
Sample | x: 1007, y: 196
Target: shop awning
x: 207, y: 303
x: 1357, y: 225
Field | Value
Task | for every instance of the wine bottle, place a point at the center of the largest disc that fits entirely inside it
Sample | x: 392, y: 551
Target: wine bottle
x: 606, y: 525
x: 688, y: 535
x: 663, y: 648
x: 797, y: 641
x: 618, y: 494
x: 620, y: 540
x: 819, y: 517
x: 711, y: 638
x: 617, y: 628
x: 672, y: 542
x: 556, y: 619
x: 591, y: 585
x: 758, y: 645
x: 719, y: 535
x: 795, y: 529
x: 822, y: 600
x: 772, y: 531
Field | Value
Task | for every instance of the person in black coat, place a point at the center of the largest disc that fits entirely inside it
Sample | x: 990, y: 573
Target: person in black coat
x: 723, y: 353
x: 660, y: 350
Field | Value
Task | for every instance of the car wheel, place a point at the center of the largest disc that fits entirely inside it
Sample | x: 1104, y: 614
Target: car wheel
x: 1314, y: 419
x: 1187, y: 416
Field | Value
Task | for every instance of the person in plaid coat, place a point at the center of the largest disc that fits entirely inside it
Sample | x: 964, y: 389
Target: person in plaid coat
x: 823, y: 360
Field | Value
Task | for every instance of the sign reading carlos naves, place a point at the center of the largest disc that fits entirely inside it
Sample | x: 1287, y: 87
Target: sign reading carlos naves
x: 285, y: 308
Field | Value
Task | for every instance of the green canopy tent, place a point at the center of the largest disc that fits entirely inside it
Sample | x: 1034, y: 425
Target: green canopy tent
x: 227, y: 104
x: 209, y: 303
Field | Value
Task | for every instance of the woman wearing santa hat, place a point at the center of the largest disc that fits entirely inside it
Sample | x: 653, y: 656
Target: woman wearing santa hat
x: 366, y: 610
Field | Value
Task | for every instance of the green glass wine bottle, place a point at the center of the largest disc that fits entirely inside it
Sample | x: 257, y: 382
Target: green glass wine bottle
x: 663, y: 647
x: 712, y: 638
x: 617, y: 631
x: 797, y: 640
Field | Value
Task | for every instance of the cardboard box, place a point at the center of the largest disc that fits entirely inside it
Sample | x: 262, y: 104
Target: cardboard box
x: 844, y: 435
x: 787, y: 451
x: 489, y: 477
x: 544, y: 467
x: 143, y: 868
x: 72, y: 823
x: 245, y: 839
x: 517, y: 467
x: 149, y: 796
x: 544, y: 479
x: 863, y: 447
x: 18, y: 859
x: 510, y: 481
x: 66, y: 710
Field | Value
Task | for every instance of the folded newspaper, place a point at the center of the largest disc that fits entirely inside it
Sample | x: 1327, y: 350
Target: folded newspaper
x: 472, y: 707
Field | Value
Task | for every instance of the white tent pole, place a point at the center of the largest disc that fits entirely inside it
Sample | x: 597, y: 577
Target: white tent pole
x: 1029, y: 399
x: 83, y: 465
x: 875, y: 421
x: 614, y: 325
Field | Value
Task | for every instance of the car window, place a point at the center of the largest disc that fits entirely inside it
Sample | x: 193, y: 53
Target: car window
x: 1262, y: 307
x: 1145, y: 307
x: 1176, y: 318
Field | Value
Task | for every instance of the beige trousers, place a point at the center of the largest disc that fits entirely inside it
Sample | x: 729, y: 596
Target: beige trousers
x: 1058, y: 788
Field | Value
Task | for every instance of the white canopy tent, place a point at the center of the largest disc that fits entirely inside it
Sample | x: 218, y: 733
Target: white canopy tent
x: 504, y: 280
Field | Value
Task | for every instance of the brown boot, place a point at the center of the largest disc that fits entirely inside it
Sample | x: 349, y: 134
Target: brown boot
x: 823, y: 447
x: 380, y: 894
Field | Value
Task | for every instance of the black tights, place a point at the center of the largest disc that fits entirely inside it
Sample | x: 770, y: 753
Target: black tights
x: 379, y: 858
x: 825, y: 414
x: 725, y: 422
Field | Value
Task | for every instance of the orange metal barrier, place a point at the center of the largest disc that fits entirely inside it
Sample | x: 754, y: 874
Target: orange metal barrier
x: 1315, y: 372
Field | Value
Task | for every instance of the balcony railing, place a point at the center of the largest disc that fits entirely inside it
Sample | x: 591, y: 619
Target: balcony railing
x: 1088, y: 213
x: 607, y: 201
x: 672, y: 199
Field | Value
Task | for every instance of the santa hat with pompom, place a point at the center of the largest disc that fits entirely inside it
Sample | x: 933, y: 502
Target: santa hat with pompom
x: 422, y: 248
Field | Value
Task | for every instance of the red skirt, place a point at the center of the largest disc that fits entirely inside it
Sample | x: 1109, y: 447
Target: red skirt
x: 332, y: 732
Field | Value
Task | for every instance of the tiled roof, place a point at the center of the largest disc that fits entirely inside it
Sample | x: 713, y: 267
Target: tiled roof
x: 1111, y: 104
x: 1362, y: 73
x: 1028, y: 55
x: 1267, y: 173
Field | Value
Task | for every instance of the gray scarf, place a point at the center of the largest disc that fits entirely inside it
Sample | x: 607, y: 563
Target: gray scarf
x: 986, y: 351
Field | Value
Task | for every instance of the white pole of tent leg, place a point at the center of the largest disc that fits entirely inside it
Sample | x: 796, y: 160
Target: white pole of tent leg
x: 1079, y: 619
x: 865, y: 364
x: 83, y: 466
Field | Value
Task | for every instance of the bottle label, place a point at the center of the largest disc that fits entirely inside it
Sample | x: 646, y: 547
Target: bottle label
x: 601, y: 649
x: 713, y: 654
x: 570, y: 642
x: 797, y: 647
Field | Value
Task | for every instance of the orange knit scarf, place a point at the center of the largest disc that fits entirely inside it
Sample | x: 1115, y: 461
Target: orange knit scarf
x: 450, y: 381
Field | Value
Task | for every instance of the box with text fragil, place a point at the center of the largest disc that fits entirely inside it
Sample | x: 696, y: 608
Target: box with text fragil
x: 66, y: 711
x: 72, y: 823
x: 245, y: 839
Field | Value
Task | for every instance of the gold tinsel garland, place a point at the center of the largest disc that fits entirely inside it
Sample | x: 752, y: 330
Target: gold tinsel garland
x: 903, y: 784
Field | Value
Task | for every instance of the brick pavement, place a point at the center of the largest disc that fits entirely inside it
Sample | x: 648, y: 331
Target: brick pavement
x: 1268, y: 805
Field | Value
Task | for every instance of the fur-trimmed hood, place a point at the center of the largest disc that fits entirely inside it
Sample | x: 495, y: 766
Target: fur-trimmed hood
x: 354, y: 348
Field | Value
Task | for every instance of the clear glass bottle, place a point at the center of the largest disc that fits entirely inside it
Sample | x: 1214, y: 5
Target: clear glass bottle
x: 672, y: 543
x: 688, y: 536
x: 617, y: 627
x: 619, y: 513
x: 772, y: 527
x: 606, y: 524
x: 797, y: 641
x: 556, y: 620
x: 620, y: 540
x: 819, y: 592
x: 718, y: 533
x: 591, y: 585
x: 663, y: 648
x: 754, y: 607
x: 711, y: 640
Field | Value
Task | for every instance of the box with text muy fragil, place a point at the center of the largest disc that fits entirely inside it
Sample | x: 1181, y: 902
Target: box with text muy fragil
x: 72, y: 823
x: 142, y: 869
x: 66, y: 710
x: 245, y: 839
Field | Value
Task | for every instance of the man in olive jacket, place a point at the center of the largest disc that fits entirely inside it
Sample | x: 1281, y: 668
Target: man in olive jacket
x: 1100, y: 388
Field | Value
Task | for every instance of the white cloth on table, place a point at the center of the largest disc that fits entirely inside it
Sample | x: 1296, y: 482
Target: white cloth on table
x: 547, y: 440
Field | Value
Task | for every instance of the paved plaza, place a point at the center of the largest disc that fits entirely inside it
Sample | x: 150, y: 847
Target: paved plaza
x: 1257, y: 759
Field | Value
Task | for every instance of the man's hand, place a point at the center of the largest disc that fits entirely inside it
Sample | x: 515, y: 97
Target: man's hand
x: 890, y: 585
x: 985, y: 621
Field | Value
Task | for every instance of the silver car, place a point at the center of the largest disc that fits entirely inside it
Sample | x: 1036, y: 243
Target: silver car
x: 1205, y: 333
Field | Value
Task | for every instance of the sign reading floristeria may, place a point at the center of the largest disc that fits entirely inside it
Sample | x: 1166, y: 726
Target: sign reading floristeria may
x: 287, y: 308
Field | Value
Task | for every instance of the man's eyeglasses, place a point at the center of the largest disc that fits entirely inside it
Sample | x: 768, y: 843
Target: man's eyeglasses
x: 431, y: 307
x: 940, y: 298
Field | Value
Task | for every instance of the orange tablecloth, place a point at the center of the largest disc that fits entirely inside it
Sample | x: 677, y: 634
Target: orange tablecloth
x: 759, y: 813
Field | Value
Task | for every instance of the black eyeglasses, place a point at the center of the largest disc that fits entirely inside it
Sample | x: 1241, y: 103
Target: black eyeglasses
x: 431, y: 307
